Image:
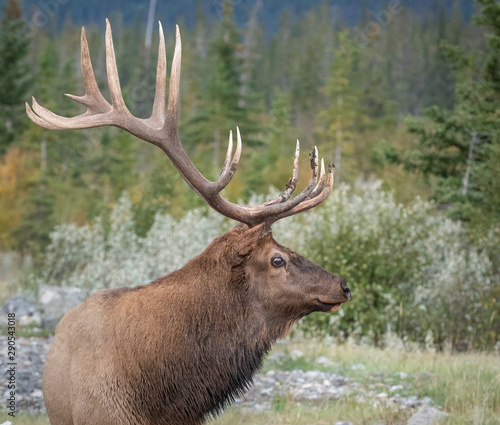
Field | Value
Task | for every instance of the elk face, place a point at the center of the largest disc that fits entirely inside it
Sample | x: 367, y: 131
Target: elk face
x: 289, y: 286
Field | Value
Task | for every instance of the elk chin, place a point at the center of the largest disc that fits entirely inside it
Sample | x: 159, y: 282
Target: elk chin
x: 327, y: 307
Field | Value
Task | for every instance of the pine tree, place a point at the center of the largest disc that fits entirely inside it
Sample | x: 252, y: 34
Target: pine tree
x: 221, y: 107
x: 15, y: 75
x: 461, y: 147
x: 344, y: 110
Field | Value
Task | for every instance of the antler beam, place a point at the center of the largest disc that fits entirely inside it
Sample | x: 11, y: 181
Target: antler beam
x: 160, y: 129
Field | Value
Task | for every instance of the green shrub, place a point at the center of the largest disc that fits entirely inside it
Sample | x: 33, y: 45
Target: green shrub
x: 412, y: 272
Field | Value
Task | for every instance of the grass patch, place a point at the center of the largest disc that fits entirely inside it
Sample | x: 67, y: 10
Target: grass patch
x: 26, y: 419
x: 323, y: 414
x: 29, y: 330
x: 467, y: 386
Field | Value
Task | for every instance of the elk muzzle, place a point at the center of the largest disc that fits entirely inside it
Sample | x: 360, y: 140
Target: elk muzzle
x: 341, y: 294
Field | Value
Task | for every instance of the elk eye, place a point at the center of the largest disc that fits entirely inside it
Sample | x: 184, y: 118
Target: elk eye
x: 278, y: 261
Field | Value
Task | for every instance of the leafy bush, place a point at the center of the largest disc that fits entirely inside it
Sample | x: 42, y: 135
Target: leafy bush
x: 411, y: 272
x: 90, y: 257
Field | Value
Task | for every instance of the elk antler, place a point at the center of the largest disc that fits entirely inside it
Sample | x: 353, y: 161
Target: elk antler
x: 160, y: 129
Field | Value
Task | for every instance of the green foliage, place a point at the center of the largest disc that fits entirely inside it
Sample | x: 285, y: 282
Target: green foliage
x: 37, y: 217
x: 343, y: 116
x: 15, y: 78
x: 276, y: 87
x: 410, y: 272
x: 460, y: 146
x: 221, y: 103
x: 314, y: 80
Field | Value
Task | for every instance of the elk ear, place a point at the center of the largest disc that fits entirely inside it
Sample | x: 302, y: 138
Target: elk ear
x: 247, y: 240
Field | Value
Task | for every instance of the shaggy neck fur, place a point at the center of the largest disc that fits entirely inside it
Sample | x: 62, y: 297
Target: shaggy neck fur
x: 220, y: 343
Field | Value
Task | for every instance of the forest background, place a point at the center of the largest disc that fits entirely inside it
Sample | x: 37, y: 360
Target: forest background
x: 403, y: 95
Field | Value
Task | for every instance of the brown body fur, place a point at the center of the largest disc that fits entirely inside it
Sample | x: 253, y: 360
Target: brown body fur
x: 179, y: 349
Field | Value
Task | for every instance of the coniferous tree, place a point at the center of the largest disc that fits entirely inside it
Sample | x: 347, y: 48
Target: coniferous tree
x: 344, y: 110
x: 15, y: 75
x: 221, y: 107
x: 461, y: 146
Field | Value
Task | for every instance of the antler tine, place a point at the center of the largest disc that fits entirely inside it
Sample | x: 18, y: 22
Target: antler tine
x: 158, y: 113
x: 115, y: 90
x: 321, y: 182
x: 287, y: 203
x: 175, y: 77
x: 312, y: 202
x: 37, y: 120
x: 93, y: 98
x: 267, y: 211
x: 229, y: 153
x: 160, y: 129
x: 229, y: 168
x: 292, y: 183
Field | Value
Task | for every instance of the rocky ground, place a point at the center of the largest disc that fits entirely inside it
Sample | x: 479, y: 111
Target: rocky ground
x: 274, y: 386
x: 296, y: 385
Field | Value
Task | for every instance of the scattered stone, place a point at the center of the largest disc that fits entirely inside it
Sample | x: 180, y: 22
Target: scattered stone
x: 57, y: 300
x: 295, y: 354
x: 18, y: 304
x: 359, y: 366
x: 277, y: 356
x: 427, y: 415
x: 34, y: 319
x: 324, y: 361
x: 50, y: 322
x: 427, y: 400
x: 26, y: 312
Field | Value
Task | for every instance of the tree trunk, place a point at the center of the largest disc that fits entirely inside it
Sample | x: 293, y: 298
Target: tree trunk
x: 149, y: 33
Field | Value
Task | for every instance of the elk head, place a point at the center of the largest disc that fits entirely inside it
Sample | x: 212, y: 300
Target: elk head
x: 208, y: 325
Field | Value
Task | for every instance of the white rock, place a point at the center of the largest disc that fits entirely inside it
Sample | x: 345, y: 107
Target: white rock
x: 295, y: 354
x: 57, y: 300
x: 427, y: 415
x: 359, y: 366
x: 31, y: 319
x: 37, y: 393
x: 325, y: 361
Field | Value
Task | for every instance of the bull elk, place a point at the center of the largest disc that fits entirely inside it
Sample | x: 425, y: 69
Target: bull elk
x: 177, y: 351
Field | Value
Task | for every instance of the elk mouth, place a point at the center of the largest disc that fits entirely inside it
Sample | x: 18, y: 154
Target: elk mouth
x: 328, y: 307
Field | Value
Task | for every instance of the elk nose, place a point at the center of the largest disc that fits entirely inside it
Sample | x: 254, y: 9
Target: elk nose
x: 345, y: 288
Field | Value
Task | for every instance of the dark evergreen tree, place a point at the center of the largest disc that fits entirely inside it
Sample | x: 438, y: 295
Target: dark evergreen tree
x: 344, y: 113
x: 461, y: 147
x: 15, y: 77
x: 221, y: 105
